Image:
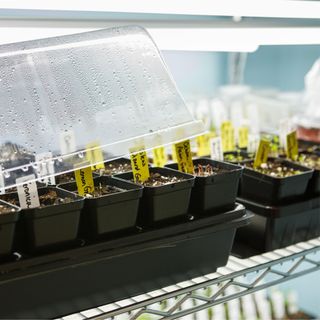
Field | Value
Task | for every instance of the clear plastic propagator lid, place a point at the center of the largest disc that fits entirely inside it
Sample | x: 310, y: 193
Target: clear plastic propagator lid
x: 62, y: 97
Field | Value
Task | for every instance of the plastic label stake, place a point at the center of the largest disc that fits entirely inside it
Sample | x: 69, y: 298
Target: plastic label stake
x: 159, y: 157
x: 253, y: 143
x: 262, y: 153
x: 84, y: 181
x: 2, y: 183
x: 203, y: 144
x: 243, y: 133
x: 227, y: 136
x: 140, y: 167
x: 285, y: 127
x: 94, y: 155
x: 27, y: 192
x: 184, y: 158
x: 292, y: 146
x: 216, y: 149
x: 45, y: 167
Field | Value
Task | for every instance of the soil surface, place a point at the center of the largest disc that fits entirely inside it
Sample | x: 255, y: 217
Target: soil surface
x: 115, y: 168
x: 6, y: 209
x: 310, y: 160
x: 103, y: 190
x: 50, y: 198
x: 235, y: 158
x: 274, y: 169
x: 66, y: 177
x: 207, y: 170
x: 156, y: 180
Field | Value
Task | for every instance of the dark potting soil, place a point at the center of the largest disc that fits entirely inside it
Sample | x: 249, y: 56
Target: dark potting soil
x: 6, y: 209
x: 156, y: 180
x: 310, y: 160
x: 115, y: 168
x: 102, y: 190
x: 207, y: 170
x: 235, y: 158
x: 50, y: 198
x: 274, y: 169
x: 66, y: 177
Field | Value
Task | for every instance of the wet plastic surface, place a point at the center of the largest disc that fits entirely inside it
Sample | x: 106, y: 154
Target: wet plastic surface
x: 67, y: 95
x: 100, y: 273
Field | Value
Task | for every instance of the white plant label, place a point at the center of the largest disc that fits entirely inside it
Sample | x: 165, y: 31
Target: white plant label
x: 233, y: 305
x: 292, y: 300
x: 253, y: 143
x: 248, y: 307
x: 27, y: 192
x: 2, y: 183
x: 285, y: 128
x: 45, y: 167
x: 219, y: 312
x: 67, y: 142
x: 216, y: 149
x: 278, y: 304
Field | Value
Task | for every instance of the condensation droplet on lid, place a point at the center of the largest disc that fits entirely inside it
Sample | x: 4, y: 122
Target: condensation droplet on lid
x: 25, y: 169
x: 34, y: 165
x: 60, y: 159
x: 81, y: 155
x: 6, y: 174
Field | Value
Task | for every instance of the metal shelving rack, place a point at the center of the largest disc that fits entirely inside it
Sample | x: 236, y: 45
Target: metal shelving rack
x: 243, y: 276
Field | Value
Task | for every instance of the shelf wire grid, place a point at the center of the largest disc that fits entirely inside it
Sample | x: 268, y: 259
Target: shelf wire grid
x: 238, y: 278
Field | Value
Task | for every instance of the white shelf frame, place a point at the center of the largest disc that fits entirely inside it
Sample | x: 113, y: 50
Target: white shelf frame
x: 244, y: 275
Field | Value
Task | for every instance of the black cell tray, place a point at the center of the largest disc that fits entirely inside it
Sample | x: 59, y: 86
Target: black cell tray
x: 50, y: 226
x: 215, y: 193
x: 270, y: 190
x: 275, y: 227
x: 7, y: 229
x: 109, y: 213
x: 166, y: 202
x: 99, y: 273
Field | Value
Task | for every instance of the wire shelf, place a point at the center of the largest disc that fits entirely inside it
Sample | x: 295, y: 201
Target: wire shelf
x: 238, y: 278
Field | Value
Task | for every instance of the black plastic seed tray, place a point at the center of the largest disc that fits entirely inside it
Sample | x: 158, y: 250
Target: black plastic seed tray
x: 49, y: 226
x: 7, y: 228
x: 160, y: 204
x: 79, y: 279
x: 272, y: 190
x: 274, y: 227
x: 110, y: 213
x: 215, y: 193
x: 314, y: 183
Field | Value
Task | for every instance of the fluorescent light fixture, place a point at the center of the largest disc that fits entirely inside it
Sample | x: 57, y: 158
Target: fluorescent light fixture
x: 245, y: 8
x: 192, y: 39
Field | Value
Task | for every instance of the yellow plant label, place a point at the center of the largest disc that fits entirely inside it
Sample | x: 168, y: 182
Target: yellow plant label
x: 84, y: 181
x: 292, y: 146
x: 94, y: 155
x: 243, y: 134
x: 227, y: 136
x: 159, y: 157
x: 140, y: 167
x: 203, y: 144
x: 262, y: 153
x: 183, y: 155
